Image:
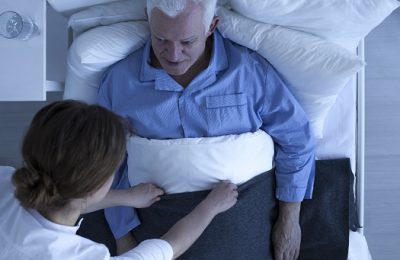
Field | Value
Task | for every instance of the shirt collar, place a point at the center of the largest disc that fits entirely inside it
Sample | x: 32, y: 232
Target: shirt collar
x: 54, y: 226
x: 163, y: 81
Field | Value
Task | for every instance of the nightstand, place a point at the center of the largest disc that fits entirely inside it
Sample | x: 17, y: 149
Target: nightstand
x: 23, y: 63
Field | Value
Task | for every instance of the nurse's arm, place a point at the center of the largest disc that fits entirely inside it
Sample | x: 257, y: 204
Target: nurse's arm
x: 139, y: 196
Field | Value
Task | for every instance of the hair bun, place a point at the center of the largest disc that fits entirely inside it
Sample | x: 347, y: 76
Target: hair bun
x: 35, y: 190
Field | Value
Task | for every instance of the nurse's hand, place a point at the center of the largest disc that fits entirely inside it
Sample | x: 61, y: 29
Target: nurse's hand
x: 143, y: 195
x: 221, y: 198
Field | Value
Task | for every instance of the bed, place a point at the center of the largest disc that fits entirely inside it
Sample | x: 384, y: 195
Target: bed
x: 337, y: 111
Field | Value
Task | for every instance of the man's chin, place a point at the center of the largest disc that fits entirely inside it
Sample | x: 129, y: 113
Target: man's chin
x: 175, y: 71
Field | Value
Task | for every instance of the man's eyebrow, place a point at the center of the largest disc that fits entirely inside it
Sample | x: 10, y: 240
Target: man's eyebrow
x: 189, y: 38
x: 158, y: 36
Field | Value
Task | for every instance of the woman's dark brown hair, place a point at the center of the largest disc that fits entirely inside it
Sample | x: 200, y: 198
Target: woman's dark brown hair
x: 70, y: 150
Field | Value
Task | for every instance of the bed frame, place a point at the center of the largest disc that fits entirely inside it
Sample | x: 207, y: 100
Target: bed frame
x: 360, y: 142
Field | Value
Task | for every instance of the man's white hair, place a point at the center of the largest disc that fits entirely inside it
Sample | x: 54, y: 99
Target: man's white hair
x: 173, y: 8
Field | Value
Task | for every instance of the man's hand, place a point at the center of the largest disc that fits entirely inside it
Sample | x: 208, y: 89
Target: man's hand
x: 286, y: 234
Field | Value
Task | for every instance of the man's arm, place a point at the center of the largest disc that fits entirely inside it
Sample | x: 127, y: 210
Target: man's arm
x: 121, y: 220
x: 285, y: 121
x: 140, y: 196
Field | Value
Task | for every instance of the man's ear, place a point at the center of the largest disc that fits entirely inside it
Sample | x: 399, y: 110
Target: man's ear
x: 213, y: 25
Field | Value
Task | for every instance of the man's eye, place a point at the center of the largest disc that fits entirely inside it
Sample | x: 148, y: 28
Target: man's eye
x: 187, y: 42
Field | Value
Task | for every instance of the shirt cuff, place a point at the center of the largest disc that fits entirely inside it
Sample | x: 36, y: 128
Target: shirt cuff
x: 290, y: 194
x: 121, y: 220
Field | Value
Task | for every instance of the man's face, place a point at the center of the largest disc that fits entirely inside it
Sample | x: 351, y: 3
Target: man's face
x: 178, y: 42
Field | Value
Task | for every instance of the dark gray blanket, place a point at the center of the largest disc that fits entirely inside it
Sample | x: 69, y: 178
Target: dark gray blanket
x: 327, y: 218
x: 244, y: 231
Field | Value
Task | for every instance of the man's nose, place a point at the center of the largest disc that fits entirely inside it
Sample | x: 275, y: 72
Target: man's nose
x: 174, y: 51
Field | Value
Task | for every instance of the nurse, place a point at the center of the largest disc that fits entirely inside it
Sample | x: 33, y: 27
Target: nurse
x: 71, y: 152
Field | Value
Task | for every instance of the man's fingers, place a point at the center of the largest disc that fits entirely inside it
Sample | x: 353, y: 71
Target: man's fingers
x: 290, y: 254
x: 296, y: 254
x: 287, y: 254
x: 278, y: 255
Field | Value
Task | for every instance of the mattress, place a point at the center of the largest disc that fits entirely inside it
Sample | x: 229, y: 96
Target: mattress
x: 358, y: 247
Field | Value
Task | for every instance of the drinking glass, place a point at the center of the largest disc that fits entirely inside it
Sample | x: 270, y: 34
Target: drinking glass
x: 15, y: 26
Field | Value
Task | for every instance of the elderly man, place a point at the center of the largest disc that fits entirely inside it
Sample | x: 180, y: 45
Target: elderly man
x: 163, y: 90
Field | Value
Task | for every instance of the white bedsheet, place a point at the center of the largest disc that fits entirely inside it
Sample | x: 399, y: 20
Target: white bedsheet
x: 340, y: 141
x: 358, y: 247
x: 340, y: 127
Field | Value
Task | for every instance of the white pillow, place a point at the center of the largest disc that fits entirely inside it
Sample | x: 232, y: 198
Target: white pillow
x: 342, y: 21
x: 97, y: 49
x: 192, y: 164
x: 316, y: 70
x: 110, y: 13
x: 106, y: 14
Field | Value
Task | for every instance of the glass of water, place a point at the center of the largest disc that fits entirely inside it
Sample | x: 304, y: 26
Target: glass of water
x: 15, y: 26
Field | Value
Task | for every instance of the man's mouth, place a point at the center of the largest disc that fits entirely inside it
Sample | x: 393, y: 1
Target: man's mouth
x: 173, y: 63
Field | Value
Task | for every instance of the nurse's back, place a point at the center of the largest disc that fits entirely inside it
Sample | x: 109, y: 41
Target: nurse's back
x: 70, y: 153
x: 25, y: 234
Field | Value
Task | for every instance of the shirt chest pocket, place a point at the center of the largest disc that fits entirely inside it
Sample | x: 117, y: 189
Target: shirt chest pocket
x: 227, y: 114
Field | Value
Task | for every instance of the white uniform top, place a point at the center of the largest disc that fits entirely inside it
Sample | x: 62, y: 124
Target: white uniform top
x: 26, y: 234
